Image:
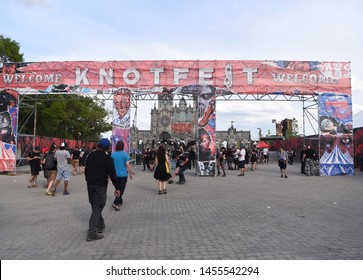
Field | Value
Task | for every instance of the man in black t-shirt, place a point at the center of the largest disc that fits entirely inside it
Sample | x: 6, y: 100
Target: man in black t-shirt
x: 34, y: 158
x: 99, y: 167
x: 181, y: 166
x: 146, y: 154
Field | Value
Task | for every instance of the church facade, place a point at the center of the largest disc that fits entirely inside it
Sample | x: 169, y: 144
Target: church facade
x: 177, y: 124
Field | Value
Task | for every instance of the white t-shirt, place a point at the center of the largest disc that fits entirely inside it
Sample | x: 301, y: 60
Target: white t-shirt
x: 62, y: 157
x: 242, y: 155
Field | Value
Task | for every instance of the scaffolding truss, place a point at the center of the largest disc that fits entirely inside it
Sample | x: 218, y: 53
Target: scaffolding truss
x: 309, y: 102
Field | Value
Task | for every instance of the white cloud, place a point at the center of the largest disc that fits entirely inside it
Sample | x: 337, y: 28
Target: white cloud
x: 32, y: 3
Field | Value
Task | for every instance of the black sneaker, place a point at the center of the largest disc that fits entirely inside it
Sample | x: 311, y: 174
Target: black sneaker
x: 116, y: 207
x: 66, y: 193
x: 96, y: 237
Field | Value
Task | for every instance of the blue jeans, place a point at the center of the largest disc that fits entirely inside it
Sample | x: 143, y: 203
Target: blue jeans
x: 181, y: 173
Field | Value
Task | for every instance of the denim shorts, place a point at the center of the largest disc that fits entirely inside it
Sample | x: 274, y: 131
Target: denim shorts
x: 63, y: 174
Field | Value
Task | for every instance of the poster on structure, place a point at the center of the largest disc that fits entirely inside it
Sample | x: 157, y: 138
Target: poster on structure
x: 8, y: 128
x: 121, y: 118
x: 206, y: 160
x: 336, y: 134
x: 153, y: 76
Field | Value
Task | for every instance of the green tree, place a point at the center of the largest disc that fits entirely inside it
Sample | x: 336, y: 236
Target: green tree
x: 82, y: 119
x: 77, y: 118
x: 10, y: 50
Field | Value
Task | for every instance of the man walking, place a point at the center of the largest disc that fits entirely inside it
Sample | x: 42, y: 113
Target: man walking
x: 123, y: 168
x: 99, y: 167
x: 63, y: 158
x: 34, y: 162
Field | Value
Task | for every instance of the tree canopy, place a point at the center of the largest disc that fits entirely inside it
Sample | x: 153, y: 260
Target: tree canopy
x: 83, y: 119
x: 10, y: 50
x: 77, y: 119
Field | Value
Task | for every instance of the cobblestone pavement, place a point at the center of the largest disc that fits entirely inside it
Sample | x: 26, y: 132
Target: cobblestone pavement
x: 257, y: 217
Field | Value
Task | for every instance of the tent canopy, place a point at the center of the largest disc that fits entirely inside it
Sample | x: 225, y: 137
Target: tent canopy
x: 262, y: 145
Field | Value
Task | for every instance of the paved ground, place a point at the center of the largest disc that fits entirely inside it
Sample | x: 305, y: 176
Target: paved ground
x: 260, y: 216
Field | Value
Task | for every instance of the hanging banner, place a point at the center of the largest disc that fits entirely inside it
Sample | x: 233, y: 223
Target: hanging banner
x: 8, y: 128
x: 336, y: 135
x: 235, y: 76
x: 121, y: 118
x: 218, y: 76
x: 206, y: 162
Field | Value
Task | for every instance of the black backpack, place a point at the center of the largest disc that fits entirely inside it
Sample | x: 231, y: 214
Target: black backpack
x: 49, y: 161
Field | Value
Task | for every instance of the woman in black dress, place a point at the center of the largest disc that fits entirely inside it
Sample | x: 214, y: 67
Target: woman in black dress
x: 161, y: 173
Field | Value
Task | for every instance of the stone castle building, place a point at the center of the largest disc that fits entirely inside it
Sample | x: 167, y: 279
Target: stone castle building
x: 178, y: 124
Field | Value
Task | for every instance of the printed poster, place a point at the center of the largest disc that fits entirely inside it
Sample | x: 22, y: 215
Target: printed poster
x: 336, y: 134
x: 206, y: 151
x: 121, y: 118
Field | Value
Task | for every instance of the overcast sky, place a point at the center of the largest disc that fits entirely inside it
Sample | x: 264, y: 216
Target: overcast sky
x: 317, y: 30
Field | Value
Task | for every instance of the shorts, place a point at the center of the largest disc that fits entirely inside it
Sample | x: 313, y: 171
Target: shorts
x: 241, y: 164
x: 34, y: 170
x: 63, y: 174
x: 282, y: 164
x: 52, y: 174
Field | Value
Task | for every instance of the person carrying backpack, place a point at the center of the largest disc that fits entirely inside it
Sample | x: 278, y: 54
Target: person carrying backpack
x: 50, y: 167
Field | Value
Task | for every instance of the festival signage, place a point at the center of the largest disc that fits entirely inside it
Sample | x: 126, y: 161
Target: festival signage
x: 121, y: 118
x: 235, y: 76
x: 336, y: 135
x: 182, y: 127
x: 206, y: 161
x: 8, y: 129
x: 203, y: 78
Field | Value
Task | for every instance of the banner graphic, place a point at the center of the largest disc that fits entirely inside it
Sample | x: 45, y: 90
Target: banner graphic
x: 8, y: 128
x: 206, y: 162
x: 336, y: 135
x: 121, y: 118
x: 235, y: 76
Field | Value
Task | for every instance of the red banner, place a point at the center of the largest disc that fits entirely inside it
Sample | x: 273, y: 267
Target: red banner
x: 182, y: 127
x: 237, y: 76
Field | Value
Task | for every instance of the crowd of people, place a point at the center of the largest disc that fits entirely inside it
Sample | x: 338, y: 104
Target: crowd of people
x: 102, y: 166
x: 57, y: 164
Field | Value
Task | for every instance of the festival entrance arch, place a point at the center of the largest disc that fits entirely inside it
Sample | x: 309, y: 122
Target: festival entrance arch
x: 127, y: 82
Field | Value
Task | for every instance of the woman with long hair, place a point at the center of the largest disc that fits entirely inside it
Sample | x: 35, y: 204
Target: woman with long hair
x: 162, y: 171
